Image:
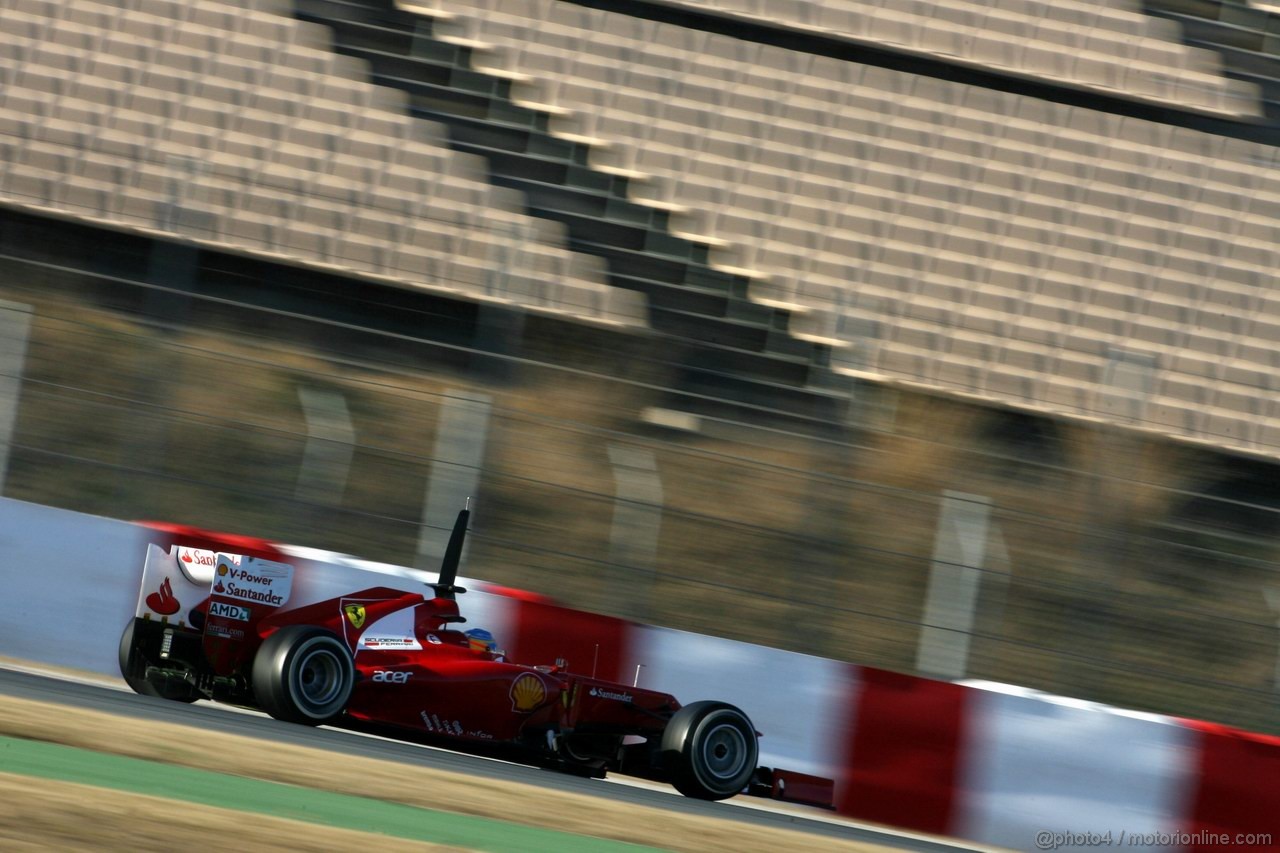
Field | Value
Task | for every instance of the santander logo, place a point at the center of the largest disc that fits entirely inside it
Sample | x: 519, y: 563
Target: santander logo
x: 199, y: 564
x: 256, y: 580
x: 162, y: 601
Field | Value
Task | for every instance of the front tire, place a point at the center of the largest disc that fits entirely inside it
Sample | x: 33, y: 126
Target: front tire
x: 710, y: 750
x: 303, y: 675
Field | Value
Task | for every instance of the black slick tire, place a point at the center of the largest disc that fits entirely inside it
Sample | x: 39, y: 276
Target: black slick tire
x: 133, y: 668
x: 302, y: 674
x: 131, y: 664
x: 710, y: 750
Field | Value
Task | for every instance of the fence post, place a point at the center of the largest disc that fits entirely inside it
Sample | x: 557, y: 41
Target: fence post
x: 637, y: 520
x: 461, y: 437
x: 959, y: 552
x: 326, y: 459
x: 15, y: 329
x: 1272, y: 595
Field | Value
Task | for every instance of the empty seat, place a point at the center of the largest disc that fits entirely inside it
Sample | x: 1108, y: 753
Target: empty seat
x: 233, y: 125
x: 963, y: 214
x: 1086, y: 44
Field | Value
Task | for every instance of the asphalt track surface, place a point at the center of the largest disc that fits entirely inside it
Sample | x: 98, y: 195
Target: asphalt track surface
x: 214, y: 717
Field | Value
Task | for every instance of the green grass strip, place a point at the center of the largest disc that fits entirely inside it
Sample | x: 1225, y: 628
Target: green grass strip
x: 223, y: 790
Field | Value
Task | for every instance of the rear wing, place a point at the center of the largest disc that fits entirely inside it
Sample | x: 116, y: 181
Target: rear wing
x: 234, y: 590
x: 224, y: 596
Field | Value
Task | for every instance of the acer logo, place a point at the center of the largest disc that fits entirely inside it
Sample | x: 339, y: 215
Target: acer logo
x: 387, y: 676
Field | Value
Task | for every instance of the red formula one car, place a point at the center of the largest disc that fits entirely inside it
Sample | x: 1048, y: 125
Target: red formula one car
x: 267, y: 635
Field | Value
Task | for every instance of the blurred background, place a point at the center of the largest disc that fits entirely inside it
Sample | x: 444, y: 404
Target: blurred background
x: 935, y: 343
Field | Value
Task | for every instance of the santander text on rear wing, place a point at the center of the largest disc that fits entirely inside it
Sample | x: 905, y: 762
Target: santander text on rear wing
x: 222, y: 595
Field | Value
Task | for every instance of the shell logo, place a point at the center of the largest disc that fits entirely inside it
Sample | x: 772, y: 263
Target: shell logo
x: 527, y: 693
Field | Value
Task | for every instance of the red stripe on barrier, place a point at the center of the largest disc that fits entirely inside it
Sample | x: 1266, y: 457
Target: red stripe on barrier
x: 904, y: 751
x: 545, y: 632
x: 1238, y: 790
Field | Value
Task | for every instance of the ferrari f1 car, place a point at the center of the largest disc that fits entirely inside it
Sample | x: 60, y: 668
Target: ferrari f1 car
x: 307, y: 648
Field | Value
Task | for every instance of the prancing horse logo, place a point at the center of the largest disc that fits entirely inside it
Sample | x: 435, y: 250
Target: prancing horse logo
x: 355, y: 615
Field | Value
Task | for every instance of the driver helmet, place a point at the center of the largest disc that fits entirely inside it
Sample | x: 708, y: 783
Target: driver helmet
x: 481, y: 640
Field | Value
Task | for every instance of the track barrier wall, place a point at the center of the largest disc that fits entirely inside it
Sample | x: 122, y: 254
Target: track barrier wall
x: 996, y: 764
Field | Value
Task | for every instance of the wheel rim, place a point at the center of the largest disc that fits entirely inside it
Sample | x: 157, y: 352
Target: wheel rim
x: 318, y: 678
x: 724, y: 752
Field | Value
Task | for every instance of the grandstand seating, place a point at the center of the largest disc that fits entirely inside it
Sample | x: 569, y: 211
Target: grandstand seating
x: 932, y: 232
x: 1106, y: 46
x: 780, y: 210
x: 239, y: 128
x: 1247, y: 38
x: 737, y: 358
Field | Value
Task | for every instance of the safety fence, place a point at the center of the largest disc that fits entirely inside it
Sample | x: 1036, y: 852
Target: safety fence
x: 926, y: 535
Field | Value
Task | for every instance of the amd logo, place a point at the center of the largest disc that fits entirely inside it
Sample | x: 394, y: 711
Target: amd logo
x: 228, y: 611
x: 387, y: 676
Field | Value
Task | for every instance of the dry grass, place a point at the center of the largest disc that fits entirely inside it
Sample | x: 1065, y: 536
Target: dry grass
x: 388, y: 781
x: 41, y: 814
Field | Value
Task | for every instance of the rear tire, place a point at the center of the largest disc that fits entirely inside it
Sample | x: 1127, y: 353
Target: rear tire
x: 132, y: 665
x: 303, y: 674
x: 710, y: 750
x: 133, y: 668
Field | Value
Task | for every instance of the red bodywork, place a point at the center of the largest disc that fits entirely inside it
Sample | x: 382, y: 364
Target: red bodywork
x: 422, y: 679
x: 448, y: 689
